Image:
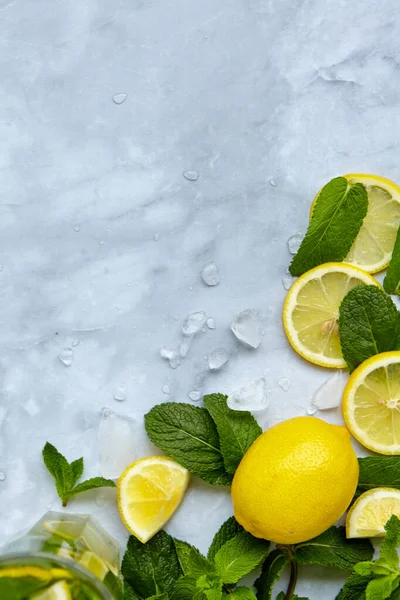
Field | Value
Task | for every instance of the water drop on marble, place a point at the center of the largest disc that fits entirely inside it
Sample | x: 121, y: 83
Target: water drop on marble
x: 2, y: 476
x: 287, y: 282
x: 246, y: 327
x: 1, y: 268
x: 66, y: 356
x: 184, y: 346
x: 210, y: 274
x: 176, y: 318
x: 119, y: 98
x: 166, y: 389
x: 100, y: 499
x: 118, y: 307
x: 294, y: 243
x: 120, y: 393
x: 174, y: 362
x: 203, y: 329
x: 75, y: 343
x: 272, y: 182
x: 284, y: 383
x: 101, y: 243
x: 49, y: 506
x: 77, y: 228
x: 205, y: 357
x: 217, y: 358
x: 156, y: 237
x: 195, y: 395
x: 190, y: 288
x: 194, y: 323
x: 191, y: 175
x: 210, y: 323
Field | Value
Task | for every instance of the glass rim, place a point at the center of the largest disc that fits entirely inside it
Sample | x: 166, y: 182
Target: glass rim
x: 72, y: 565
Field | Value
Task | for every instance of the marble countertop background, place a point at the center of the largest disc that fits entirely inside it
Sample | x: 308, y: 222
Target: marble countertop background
x: 102, y: 238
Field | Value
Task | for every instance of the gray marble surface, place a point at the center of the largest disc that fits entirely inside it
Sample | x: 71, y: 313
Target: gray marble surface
x: 102, y: 238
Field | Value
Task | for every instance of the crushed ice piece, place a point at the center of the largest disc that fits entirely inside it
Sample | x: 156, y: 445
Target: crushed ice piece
x: 252, y: 397
x: 311, y: 410
x: 195, y: 395
x: 294, y: 242
x: 246, y: 327
x: 210, y: 323
x: 330, y: 393
x: 210, y: 274
x: 77, y: 228
x: 66, y: 356
x: 156, y: 237
x: 217, y: 358
x: 119, y: 98
x: 2, y: 476
x: 191, y: 175
x: 120, y: 393
x: 166, y: 389
x: 167, y: 352
x: 287, y: 282
x: 284, y: 383
x: 184, y: 346
x: 118, y: 439
x: 194, y: 322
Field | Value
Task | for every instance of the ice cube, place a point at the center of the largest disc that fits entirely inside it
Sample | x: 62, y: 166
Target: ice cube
x: 217, y: 358
x: 171, y: 355
x: 195, y: 395
x: 120, y: 393
x: 287, y: 282
x: 246, y: 327
x: 294, y: 243
x: 66, y: 356
x: 210, y: 323
x: 330, y: 393
x: 194, y: 322
x: 252, y: 397
x: 284, y: 383
x: 210, y: 274
x: 118, y: 440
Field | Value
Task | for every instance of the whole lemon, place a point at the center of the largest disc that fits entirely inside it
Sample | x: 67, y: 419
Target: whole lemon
x: 295, y: 481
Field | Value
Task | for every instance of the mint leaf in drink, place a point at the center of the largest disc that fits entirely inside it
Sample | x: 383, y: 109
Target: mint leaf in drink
x: 354, y: 588
x: 368, y: 324
x: 242, y: 593
x: 192, y: 562
x: 188, y: 434
x: 391, y: 283
x: 378, y: 471
x: 333, y: 549
x: 151, y: 568
x: 382, y: 587
x: 239, y: 556
x: 236, y: 430
x: 91, y: 484
x: 336, y: 220
x: 226, y: 532
x: 272, y: 568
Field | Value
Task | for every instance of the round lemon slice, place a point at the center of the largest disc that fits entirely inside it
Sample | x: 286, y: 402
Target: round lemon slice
x: 370, y: 513
x: 371, y: 403
x: 149, y: 492
x: 372, y: 248
x: 58, y: 591
x: 311, y: 311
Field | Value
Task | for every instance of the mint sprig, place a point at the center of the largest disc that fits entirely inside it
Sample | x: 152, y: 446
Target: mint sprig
x: 391, y: 283
x: 67, y: 474
x: 336, y: 220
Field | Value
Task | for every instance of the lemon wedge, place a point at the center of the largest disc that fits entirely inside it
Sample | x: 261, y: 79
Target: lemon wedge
x: 370, y: 513
x: 58, y: 591
x: 311, y: 311
x: 149, y: 492
x: 371, y: 403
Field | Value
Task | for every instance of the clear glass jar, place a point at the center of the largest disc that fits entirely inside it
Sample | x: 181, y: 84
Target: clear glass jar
x: 63, y: 557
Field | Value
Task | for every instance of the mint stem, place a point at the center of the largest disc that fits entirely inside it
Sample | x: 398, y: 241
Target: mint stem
x: 294, y: 572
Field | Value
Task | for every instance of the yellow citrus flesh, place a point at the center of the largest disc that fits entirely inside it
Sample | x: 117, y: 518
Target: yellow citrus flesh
x: 149, y: 492
x: 311, y: 311
x: 372, y: 249
x: 94, y: 564
x: 371, y: 403
x: 295, y: 481
x: 371, y: 511
x: 58, y: 591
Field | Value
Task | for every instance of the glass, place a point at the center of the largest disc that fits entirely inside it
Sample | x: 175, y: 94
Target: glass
x: 63, y: 557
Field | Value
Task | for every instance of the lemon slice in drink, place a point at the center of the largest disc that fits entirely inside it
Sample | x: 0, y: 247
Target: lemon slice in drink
x: 311, y: 311
x: 58, y: 591
x: 371, y: 403
x: 92, y: 562
x: 373, y: 246
x: 149, y: 492
x: 370, y: 513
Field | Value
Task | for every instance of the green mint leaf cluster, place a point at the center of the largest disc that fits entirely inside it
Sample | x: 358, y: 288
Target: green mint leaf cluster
x: 209, y: 442
x: 336, y: 220
x: 391, y: 283
x: 368, y: 324
x: 66, y: 475
x: 378, y: 471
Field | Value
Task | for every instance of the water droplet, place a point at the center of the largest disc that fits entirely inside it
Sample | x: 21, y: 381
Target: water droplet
x: 171, y: 355
x: 272, y: 182
x: 184, y: 346
x: 119, y: 98
x: 1, y: 268
x: 205, y: 357
x: 2, y: 476
x: 284, y: 383
x: 100, y: 499
x: 195, y: 395
x: 191, y: 175
x: 210, y: 274
x: 156, y: 237
x: 203, y: 329
x: 194, y: 323
x: 101, y: 243
x: 120, y: 393
x: 210, y: 323
x: 246, y: 327
x: 287, y: 282
x: 294, y: 243
x: 311, y: 410
x: 217, y: 358
x: 190, y: 288
x: 118, y: 307
x: 49, y: 506
x: 66, y: 356
x: 77, y: 228
x: 166, y: 389
x: 75, y: 342
x: 176, y: 318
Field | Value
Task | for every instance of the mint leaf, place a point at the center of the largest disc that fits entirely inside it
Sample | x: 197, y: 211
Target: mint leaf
x: 236, y: 430
x: 59, y: 468
x: 242, y: 593
x: 192, y: 562
x: 336, y: 220
x: 151, y: 568
x: 371, y: 568
x: 77, y: 470
x: 382, y: 588
x: 188, y: 435
x: 354, y: 588
x: 239, y: 556
x: 271, y: 571
x: 333, y: 549
x: 186, y: 589
x: 388, y: 549
x: 227, y: 531
x: 391, y: 283
x: 90, y: 484
x: 368, y: 323
x: 378, y: 471
x: 129, y: 593
x: 211, y: 586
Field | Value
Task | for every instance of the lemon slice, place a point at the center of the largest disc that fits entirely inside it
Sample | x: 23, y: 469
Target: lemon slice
x: 311, y: 311
x: 371, y: 403
x: 92, y: 562
x: 58, y: 591
x: 149, y: 492
x: 370, y: 513
x: 372, y: 248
